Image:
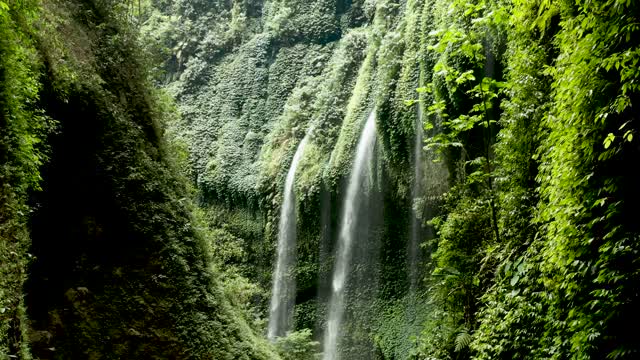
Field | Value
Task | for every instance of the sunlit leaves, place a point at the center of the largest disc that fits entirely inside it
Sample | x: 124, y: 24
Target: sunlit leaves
x: 609, y: 140
x: 4, y: 8
x: 595, y: 81
x: 465, y: 76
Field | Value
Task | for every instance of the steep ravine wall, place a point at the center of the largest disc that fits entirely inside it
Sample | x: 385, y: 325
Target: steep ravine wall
x: 246, y: 105
x: 101, y: 253
x: 533, y: 105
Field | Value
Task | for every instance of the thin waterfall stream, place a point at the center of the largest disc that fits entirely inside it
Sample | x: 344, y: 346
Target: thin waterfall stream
x: 417, y: 192
x: 284, y: 285
x: 352, y: 211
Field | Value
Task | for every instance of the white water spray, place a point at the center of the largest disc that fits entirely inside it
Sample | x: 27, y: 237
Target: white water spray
x: 284, y: 285
x: 356, y: 191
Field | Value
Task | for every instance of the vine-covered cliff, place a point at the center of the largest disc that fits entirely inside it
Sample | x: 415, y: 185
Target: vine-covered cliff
x: 524, y: 183
x: 465, y: 189
x: 250, y: 88
x: 101, y: 255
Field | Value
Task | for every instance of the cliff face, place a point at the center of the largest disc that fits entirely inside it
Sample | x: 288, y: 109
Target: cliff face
x: 529, y: 106
x: 116, y: 267
x: 526, y: 216
x: 250, y: 85
x: 251, y: 78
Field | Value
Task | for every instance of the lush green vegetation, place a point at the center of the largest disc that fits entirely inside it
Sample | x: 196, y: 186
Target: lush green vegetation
x: 536, y: 238
x: 102, y: 254
x: 529, y: 111
x: 144, y: 148
x: 22, y: 128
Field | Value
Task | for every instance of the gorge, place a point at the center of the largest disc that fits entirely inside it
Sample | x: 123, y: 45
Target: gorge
x: 297, y: 180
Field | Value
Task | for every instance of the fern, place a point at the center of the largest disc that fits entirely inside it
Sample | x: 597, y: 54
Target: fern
x: 463, y: 339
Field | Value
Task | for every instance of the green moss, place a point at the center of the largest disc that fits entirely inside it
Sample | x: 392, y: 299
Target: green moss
x: 356, y: 112
x: 301, y: 21
x: 120, y: 269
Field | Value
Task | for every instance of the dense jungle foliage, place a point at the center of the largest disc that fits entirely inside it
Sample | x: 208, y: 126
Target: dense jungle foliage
x: 101, y: 252
x: 145, y: 145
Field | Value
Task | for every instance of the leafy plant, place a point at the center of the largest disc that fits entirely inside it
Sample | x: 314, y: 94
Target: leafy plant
x: 298, y: 345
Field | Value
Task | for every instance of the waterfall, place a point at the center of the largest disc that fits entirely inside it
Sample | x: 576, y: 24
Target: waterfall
x: 416, y: 195
x: 356, y: 191
x: 283, y: 290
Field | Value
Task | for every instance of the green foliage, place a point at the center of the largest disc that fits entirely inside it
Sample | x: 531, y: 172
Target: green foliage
x: 436, y: 340
x: 298, y: 345
x: 463, y: 339
x: 400, y: 324
x: 549, y: 274
x: 117, y: 252
x: 588, y: 240
x: 506, y: 307
x: 530, y: 105
x: 23, y: 131
x: 301, y: 21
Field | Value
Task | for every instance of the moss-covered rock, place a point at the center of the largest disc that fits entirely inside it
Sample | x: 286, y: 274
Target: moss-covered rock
x: 120, y: 268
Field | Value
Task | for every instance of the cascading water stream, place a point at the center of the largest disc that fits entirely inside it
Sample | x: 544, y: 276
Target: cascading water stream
x: 283, y: 290
x: 356, y: 191
x: 416, y: 194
